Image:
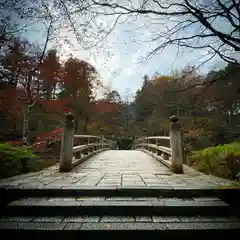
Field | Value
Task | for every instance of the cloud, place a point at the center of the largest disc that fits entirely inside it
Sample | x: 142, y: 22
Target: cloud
x: 121, y: 58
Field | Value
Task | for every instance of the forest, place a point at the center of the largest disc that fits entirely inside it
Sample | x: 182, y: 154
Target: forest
x: 37, y: 89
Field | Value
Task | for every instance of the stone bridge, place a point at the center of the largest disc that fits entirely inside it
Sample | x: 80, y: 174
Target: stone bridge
x: 116, y: 169
x: 98, y: 188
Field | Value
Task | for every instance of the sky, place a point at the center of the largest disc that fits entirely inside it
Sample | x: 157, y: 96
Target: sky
x: 121, y: 62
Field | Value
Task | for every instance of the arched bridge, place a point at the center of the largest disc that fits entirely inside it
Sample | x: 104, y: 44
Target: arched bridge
x: 94, y: 161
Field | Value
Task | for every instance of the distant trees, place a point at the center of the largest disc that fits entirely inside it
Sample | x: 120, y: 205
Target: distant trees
x: 209, y: 114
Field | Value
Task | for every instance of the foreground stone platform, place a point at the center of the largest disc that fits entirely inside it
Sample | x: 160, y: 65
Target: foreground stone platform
x: 114, y: 169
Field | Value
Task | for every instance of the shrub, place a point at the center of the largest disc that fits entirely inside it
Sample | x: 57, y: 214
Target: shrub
x: 48, y: 141
x: 222, y: 160
x: 14, y: 160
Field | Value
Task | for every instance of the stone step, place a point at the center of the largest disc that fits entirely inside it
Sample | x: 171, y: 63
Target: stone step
x: 119, y: 206
x: 15, y: 192
x: 35, y: 227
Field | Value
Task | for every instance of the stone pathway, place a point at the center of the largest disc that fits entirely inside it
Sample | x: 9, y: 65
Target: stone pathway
x: 117, y: 168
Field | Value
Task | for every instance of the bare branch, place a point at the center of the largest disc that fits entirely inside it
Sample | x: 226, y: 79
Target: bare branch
x: 227, y: 12
x: 141, y: 11
x: 237, y: 6
x: 227, y: 39
x: 187, y: 14
x: 71, y: 22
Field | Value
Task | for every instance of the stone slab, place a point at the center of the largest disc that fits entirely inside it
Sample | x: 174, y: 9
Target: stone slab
x: 82, y: 219
x: 16, y: 219
x: 165, y: 219
x: 32, y: 225
x: 116, y: 203
x: 143, y: 219
x: 203, y: 225
x: 117, y: 219
x: 123, y: 226
x: 73, y: 226
x: 48, y: 219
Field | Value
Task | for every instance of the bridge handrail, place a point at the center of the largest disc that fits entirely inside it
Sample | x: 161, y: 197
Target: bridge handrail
x: 159, y: 137
x: 86, y: 146
x: 170, y: 155
x: 161, y: 153
x: 153, y: 137
x: 82, y: 147
x: 86, y: 136
x: 72, y: 155
x: 102, y: 139
x: 145, y: 141
x: 166, y: 150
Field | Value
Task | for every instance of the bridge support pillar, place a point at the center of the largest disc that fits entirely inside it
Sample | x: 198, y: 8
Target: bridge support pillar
x: 67, y: 144
x: 176, y: 146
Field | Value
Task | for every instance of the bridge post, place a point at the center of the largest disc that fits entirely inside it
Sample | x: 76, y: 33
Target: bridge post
x: 67, y: 144
x: 176, y: 146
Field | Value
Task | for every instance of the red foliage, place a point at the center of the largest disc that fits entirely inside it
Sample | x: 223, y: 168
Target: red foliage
x: 56, y: 105
x: 10, y: 101
x: 103, y: 106
x: 50, y: 136
x: 42, y: 141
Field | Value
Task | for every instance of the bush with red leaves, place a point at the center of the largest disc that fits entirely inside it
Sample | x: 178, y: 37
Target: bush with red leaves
x: 42, y: 143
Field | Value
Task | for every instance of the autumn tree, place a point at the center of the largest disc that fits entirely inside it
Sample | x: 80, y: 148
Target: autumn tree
x: 16, y: 88
x: 50, y: 73
x: 78, y: 78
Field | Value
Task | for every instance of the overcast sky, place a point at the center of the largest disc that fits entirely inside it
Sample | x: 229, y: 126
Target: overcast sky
x: 122, y: 61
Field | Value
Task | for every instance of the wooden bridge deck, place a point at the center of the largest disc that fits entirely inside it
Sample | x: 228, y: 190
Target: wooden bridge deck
x: 117, y: 168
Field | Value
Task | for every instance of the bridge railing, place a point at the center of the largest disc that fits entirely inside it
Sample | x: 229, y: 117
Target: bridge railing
x: 77, y: 148
x: 92, y: 144
x: 167, y: 149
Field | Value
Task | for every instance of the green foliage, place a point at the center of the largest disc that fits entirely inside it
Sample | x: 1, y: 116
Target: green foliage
x: 222, y: 160
x: 17, y: 160
x: 9, y: 152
